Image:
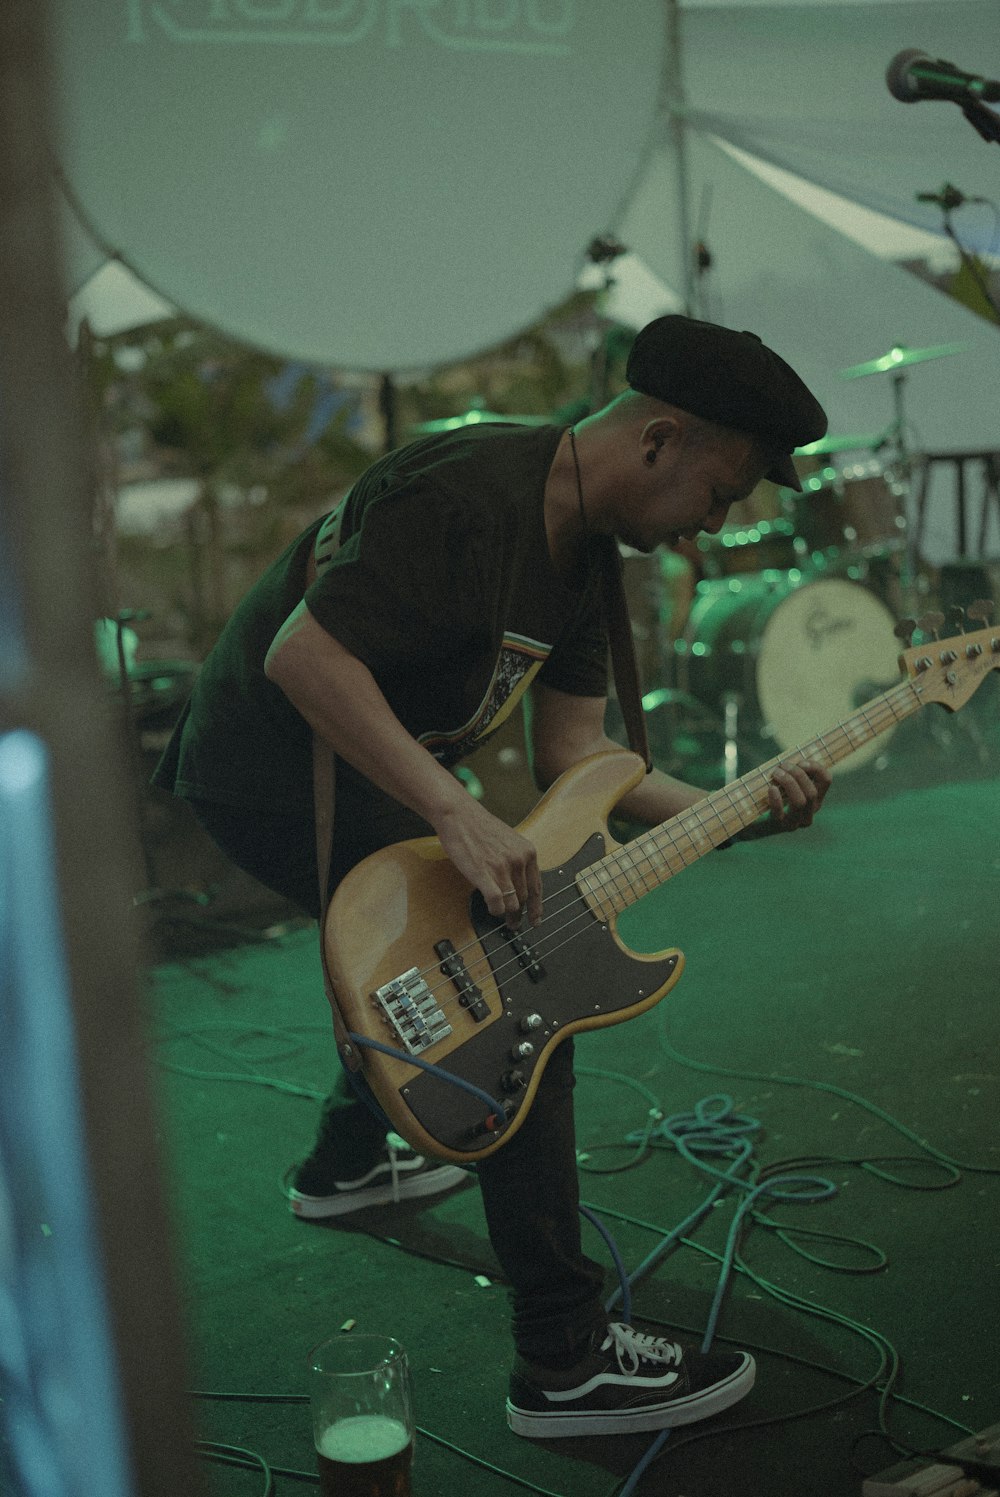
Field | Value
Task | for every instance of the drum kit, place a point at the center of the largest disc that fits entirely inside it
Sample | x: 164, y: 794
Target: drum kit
x: 759, y: 638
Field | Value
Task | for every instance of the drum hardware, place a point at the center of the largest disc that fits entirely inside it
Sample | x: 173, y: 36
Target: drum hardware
x: 781, y: 659
x: 850, y: 521
x: 731, y: 703
x: 896, y: 362
x: 659, y: 588
x: 763, y: 545
x: 675, y: 723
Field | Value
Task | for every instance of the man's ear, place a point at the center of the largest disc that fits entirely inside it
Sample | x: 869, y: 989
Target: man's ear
x: 660, y: 432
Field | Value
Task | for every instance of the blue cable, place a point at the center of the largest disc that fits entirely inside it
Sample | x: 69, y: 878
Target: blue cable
x: 644, y: 1464
x: 713, y: 1129
x: 438, y: 1071
x: 624, y: 1283
x: 666, y: 1245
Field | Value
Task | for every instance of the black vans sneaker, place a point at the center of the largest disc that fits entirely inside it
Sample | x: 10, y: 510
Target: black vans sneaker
x: 398, y: 1175
x: 627, y: 1383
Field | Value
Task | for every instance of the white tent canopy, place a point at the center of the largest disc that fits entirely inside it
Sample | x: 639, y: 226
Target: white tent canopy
x: 414, y: 183
x: 375, y: 184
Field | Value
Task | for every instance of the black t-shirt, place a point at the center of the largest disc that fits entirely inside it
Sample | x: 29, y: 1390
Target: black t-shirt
x: 442, y: 586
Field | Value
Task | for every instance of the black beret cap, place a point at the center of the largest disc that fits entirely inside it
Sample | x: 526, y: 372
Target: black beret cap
x: 729, y: 377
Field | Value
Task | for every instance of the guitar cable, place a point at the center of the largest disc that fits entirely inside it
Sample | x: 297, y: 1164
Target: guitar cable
x: 491, y: 1123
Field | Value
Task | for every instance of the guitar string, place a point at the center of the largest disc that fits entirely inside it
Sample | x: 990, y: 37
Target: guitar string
x: 610, y: 883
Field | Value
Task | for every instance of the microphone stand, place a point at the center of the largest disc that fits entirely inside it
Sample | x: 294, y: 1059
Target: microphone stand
x: 982, y: 119
x: 968, y: 261
x: 948, y: 198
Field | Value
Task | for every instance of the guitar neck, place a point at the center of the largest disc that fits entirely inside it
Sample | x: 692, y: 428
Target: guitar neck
x: 620, y: 878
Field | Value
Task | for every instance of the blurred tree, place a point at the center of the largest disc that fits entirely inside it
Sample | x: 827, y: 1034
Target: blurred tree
x: 260, y: 435
x: 271, y: 443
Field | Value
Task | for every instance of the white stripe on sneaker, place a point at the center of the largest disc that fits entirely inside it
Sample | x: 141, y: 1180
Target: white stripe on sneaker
x: 620, y: 1380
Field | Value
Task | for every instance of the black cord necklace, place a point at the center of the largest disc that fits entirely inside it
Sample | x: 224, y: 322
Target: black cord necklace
x: 579, y: 484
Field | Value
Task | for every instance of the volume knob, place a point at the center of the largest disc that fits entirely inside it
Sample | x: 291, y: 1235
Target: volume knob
x: 530, y: 1022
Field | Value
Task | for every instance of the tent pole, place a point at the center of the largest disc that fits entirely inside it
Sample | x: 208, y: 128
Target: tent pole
x: 675, y: 107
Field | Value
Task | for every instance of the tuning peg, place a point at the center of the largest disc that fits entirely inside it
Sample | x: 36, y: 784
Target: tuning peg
x: 930, y: 623
x: 980, y: 610
x: 956, y: 619
x: 905, y: 630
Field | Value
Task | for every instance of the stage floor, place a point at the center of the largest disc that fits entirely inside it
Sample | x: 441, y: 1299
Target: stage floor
x: 841, y: 989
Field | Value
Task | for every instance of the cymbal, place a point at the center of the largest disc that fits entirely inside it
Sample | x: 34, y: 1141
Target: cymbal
x: 900, y: 357
x: 474, y: 417
x: 854, y: 442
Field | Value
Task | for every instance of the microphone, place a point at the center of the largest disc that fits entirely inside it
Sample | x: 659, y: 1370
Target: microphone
x: 912, y: 75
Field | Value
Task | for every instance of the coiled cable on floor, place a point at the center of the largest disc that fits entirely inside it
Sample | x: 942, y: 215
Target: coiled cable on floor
x: 714, y: 1130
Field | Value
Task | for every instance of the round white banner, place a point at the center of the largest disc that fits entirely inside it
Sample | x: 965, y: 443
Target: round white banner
x: 372, y: 184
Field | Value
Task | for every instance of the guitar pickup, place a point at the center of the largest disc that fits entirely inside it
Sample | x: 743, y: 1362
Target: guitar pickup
x: 525, y: 954
x: 469, y: 996
x: 411, y: 1009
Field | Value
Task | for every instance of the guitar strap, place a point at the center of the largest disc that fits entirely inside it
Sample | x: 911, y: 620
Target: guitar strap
x: 622, y: 643
x: 324, y: 765
x: 325, y: 548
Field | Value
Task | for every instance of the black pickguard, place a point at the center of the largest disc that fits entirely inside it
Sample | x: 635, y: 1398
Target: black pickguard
x: 584, y: 974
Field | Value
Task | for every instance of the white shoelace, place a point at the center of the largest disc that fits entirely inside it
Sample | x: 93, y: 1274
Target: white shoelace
x: 631, y: 1348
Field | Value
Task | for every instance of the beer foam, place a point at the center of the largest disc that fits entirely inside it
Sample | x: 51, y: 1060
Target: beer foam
x: 363, y: 1437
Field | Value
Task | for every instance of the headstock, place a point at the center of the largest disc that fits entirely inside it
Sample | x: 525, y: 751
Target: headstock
x: 949, y: 670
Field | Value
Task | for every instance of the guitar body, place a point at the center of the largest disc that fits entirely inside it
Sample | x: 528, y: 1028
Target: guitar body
x: 491, y: 1006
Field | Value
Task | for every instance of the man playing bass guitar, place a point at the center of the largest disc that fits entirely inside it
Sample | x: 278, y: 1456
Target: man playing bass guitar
x: 457, y: 575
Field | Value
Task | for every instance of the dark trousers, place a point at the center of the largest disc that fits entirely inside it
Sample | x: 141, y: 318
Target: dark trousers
x: 529, y: 1186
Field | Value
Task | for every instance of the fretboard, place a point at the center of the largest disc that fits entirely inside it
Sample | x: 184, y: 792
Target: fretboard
x: 621, y: 877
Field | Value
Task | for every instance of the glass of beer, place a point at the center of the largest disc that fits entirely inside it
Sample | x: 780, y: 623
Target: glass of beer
x: 362, y: 1416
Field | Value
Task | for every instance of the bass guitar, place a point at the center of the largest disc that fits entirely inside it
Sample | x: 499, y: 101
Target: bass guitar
x: 453, y: 1015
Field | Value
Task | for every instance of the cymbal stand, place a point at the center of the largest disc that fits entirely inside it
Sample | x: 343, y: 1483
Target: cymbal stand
x: 900, y: 463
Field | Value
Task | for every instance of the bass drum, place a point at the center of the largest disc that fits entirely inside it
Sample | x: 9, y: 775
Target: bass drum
x: 797, y: 656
